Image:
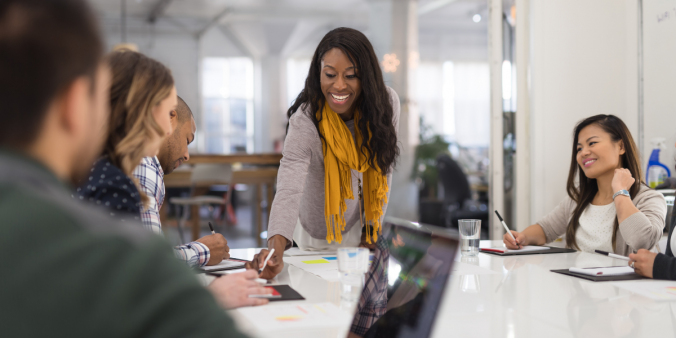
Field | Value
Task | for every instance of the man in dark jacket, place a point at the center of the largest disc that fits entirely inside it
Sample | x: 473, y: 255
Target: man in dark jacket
x: 66, y: 270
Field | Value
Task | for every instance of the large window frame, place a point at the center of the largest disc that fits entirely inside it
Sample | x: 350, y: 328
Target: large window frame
x: 227, y: 105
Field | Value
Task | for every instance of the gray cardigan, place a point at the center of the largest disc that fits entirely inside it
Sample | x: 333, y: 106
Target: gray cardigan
x: 300, y: 181
x: 641, y: 230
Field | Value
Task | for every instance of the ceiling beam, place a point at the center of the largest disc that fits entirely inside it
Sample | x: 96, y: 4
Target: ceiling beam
x: 158, y: 10
x: 226, y: 29
x: 214, y: 21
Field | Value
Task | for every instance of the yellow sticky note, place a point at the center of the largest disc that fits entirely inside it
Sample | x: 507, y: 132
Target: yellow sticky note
x: 316, y: 261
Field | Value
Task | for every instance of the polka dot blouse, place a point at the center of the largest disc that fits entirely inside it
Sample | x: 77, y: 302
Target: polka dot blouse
x: 108, y: 187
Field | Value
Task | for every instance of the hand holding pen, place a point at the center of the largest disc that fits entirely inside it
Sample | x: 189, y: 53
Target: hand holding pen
x: 513, y: 240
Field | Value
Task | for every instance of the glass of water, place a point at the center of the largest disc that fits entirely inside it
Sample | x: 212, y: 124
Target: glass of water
x: 352, y: 264
x: 470, y: 232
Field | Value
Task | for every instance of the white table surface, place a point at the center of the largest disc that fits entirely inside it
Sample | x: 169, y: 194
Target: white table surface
x: 523, y: 299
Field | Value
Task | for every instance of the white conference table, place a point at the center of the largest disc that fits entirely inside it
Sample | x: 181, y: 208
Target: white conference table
x: 521, y: 299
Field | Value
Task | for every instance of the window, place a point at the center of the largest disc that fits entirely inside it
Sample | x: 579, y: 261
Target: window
x: 227, y: 121
x: 471, y: 102
x: 296, y: 73
x: 454, y: 100
x: 430, y: 95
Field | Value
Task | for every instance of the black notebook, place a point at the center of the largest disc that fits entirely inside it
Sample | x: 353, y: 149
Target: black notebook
x: 599, y: 278
x: 551, y: 250
x: 286, y: 292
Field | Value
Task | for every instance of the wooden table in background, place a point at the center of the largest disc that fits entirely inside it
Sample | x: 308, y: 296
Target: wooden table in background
x: 253, y: 159
x: 256, y: 176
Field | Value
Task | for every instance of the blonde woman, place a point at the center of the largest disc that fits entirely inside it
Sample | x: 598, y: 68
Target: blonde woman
x: 142, y: 99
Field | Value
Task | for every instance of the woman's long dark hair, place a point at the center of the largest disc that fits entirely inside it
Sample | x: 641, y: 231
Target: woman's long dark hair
x: 587, y: 189
x: 373, y: 104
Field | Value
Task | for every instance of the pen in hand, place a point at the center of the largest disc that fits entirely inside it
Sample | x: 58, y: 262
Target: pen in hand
x: 610, y: 254
x: 212, y: 229
x: 265, y: 263
x: 506, y: 228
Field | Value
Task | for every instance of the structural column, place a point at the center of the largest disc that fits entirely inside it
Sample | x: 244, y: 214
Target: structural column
x: 496, y: 172
x: 523, y: 137
x: 270, y: 125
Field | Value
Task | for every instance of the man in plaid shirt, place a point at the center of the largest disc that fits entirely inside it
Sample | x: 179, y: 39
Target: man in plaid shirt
x: 208, y: 250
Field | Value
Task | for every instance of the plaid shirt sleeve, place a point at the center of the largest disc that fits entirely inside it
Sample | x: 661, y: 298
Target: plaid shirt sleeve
x: 151, y: 179
x: 150, y: 176
x: 373, y: 301
x: 193, y: 253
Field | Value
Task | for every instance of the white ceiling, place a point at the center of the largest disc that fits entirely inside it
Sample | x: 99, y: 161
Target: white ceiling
x: 445, y: 26
x: 441, y: 11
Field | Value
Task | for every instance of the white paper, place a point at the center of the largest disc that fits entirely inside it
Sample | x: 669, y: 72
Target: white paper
x: 657, y: 290
x: 226, y: 263
x: 460, y: 268
x: 298, y: 252
x: 608, y: 271
x: 328, y: 270
x: 525, y: 248
x: 269, y: 318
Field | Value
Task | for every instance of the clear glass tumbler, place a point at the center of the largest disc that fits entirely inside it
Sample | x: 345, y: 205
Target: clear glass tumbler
x: 470, y: 234
x: 352, y: 264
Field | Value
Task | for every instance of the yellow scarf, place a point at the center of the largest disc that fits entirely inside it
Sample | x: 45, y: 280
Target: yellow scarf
x: 341, y: 155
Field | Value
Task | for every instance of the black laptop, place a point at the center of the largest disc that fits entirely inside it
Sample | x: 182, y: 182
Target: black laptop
x: 406, y: 282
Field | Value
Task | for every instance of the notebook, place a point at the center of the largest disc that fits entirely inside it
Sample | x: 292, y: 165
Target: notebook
x: 406, y: 281
x: 608, y: 271
x: 540, y: 250
x: 524, y: 249
x: 610, y: 274
x: 280, y: 292
x: 226, y: 264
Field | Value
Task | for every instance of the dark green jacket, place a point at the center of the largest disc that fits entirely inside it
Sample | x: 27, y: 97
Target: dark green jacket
x: 68, y: 271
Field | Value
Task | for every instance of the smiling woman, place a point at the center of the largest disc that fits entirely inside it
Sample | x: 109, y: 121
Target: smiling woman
x: 142, y: 100
x: 339, y: 152
x: 608, y: 207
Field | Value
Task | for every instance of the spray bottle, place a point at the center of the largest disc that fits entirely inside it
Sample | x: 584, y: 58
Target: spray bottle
x: 656, y: 172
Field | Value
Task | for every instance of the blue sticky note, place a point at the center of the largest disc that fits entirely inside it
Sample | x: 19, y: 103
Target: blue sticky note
x: 330, y: 258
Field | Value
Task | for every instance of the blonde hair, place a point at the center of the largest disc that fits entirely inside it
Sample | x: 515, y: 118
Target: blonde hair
x: 139, y: 84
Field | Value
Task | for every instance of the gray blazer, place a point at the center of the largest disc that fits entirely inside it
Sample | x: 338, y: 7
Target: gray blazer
x: 641, y: 230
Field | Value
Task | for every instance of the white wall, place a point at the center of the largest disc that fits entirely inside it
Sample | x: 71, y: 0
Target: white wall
x: 659, y: 60
x: 583, y: 63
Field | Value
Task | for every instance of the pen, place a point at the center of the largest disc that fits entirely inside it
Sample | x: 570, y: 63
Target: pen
x: 610, y: 254
x: 212, y: 229
x: 506, y: 228
x: 266, y: 260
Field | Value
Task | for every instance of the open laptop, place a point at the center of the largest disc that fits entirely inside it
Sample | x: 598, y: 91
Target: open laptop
x: 406, y: 282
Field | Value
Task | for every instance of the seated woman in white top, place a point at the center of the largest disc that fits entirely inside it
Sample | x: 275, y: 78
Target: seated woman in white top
x: 609, y: 207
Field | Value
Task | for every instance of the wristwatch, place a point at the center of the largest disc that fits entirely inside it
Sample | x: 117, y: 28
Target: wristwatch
x: 621, y: 192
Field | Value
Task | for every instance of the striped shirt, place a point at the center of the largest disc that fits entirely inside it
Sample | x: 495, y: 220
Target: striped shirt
x: 151, y: 179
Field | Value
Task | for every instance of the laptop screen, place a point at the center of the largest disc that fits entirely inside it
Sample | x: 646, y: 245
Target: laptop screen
x: 406, y: 281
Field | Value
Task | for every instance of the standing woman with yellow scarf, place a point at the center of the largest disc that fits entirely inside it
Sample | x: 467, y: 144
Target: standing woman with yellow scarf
x: 340, y: 149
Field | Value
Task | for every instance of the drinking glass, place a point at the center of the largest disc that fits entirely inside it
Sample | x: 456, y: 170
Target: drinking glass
x: 470, y: 232
x: 352, y: 264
